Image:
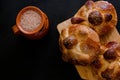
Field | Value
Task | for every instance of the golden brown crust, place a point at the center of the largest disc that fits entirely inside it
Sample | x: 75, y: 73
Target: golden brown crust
x: 99, y: 15
x: 107, y: 65
x: 79, y: 44
x: 112, y: 71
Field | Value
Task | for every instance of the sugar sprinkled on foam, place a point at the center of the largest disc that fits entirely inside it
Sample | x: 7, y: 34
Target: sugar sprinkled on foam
x: 30, y: 20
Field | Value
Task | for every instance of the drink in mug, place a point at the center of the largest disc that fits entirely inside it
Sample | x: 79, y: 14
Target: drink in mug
x: 32, y: 23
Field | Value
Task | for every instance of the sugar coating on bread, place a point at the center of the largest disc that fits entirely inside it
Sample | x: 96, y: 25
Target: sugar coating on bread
x: 30, y: 20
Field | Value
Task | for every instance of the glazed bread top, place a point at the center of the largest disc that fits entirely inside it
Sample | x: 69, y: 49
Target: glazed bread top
x: 100, y: 16
x: 79, y: 44
x: 81, y: 41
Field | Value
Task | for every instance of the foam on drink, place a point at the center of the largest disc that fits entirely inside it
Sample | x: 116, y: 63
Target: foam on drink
x: 30, y: 20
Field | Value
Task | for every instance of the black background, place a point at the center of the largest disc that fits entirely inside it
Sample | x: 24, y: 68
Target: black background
x: 23, y: 59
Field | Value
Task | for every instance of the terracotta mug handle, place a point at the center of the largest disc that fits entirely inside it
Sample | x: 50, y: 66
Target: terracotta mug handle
x: 16, y: 30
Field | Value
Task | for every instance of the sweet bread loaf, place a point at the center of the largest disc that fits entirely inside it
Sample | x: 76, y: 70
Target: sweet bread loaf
x: 107, y: 65
x: 100, y: 16
x: 95, y: 57
x: 79, y: 44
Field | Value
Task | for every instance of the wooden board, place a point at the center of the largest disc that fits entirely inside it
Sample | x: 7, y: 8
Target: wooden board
x: 85, y: 70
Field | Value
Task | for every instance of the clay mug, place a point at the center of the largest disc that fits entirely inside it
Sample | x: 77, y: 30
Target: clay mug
x: 32, y: 23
